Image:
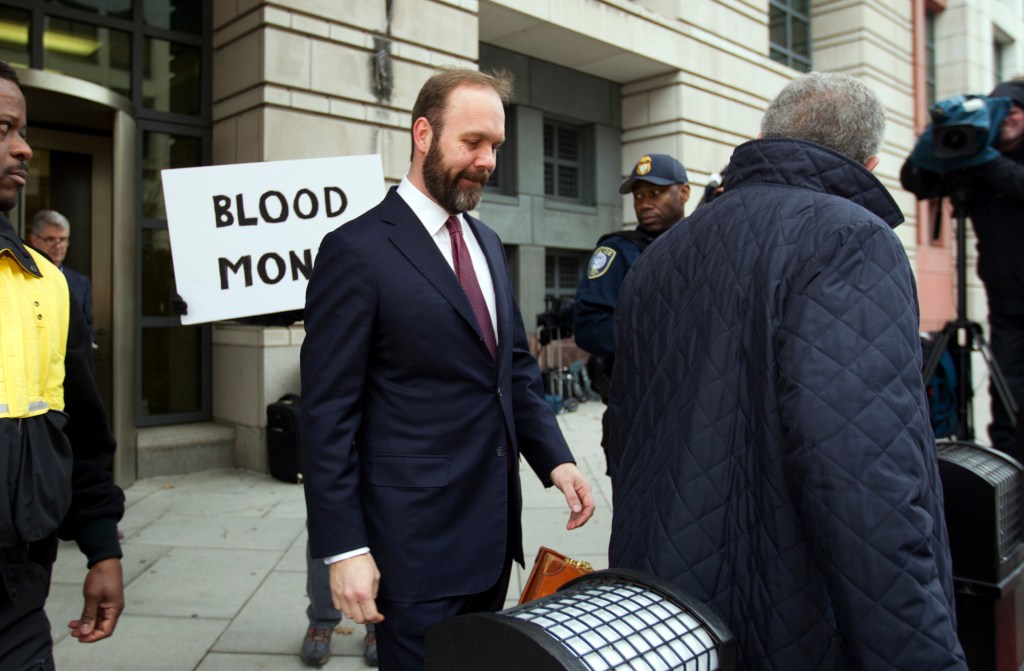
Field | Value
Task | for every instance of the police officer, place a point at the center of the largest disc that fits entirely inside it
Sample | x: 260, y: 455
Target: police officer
x: 660, y: 190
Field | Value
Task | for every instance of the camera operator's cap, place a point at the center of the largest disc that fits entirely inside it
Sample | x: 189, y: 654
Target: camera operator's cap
x: 1013, y: 89
x: 658, y: 169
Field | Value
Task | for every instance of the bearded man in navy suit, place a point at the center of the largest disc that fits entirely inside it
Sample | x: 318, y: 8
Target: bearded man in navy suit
x: 420, y: 392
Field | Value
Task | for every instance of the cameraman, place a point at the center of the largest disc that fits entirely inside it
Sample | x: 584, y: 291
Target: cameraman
x: 997, y: 196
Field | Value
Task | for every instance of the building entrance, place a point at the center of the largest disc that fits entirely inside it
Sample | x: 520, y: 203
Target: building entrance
x: 70, y: 173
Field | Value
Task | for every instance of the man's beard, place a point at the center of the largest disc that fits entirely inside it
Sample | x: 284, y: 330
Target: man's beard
x: 445, y: 189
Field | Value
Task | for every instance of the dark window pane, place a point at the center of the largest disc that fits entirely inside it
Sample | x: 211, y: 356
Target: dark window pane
x: 549, y: 179
x: 929, y: 58
x: 801, y: 6
x: 172, y: 78
x: 568, y: 182
x: 777, y: 28
x: 568, y: 144
x: 14, y: 37
x: 550, y: 268
x: 157, y: 274
x: 183, y: 15
x: 118, y: 9
x: 171, y: 373
x: 95, y: 54
x: 549, y: 140
x: 159, y: 151
x: 801, y: 37
x: 568, y: 272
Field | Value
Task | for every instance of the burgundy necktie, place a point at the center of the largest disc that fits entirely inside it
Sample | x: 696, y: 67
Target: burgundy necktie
x: 467, y: 278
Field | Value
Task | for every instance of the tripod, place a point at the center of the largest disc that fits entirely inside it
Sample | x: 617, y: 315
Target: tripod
x: 973, y: 337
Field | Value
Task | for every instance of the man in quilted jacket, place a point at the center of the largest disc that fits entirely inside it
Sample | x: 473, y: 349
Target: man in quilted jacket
x: 770, y: 444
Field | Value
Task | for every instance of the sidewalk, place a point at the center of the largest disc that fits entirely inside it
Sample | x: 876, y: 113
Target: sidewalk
x: 215, y: 569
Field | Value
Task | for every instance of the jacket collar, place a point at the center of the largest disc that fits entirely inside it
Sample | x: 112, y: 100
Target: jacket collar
x: 413, y: 241
x: 11, y: 244
x: 811, y: 166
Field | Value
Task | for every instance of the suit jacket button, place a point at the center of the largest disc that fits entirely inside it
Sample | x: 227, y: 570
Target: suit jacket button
x: 500, y: 451
x: 499, y: 392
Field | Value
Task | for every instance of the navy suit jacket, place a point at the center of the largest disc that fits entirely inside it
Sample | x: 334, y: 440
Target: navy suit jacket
x: 81, y: 288
x: 407, y: 419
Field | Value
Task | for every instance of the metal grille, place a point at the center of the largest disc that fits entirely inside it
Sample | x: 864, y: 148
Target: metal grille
x: 568, y: 181
x: 1002, y: 476
x: 623, y: 626
x: 562, y: 167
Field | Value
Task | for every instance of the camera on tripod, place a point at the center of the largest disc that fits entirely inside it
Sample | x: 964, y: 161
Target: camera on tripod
x: 962, y: 133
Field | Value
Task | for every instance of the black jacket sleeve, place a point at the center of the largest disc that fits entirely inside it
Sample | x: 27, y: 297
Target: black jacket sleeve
x: 1003, y: 175
x: 96, y: 503
x: 920, y: 182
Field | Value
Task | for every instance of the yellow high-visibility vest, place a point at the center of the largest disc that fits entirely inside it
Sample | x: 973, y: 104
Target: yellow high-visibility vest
x: 34, y: 312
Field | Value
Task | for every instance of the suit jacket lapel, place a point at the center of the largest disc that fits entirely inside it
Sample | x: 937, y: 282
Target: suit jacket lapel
x: 412, y: 240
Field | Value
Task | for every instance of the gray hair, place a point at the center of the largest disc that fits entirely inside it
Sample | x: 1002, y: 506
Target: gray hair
x: 49, y: 217
x: 831, y: 109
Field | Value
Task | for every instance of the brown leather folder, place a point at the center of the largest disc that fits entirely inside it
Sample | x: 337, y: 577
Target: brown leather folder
x: 550, y: 571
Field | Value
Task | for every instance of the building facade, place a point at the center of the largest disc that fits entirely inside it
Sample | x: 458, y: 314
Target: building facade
x: 121, y: 89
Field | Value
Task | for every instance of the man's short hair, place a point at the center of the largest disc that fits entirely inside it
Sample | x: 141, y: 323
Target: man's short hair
x: 8, y: 73
x: 432, y: 101
x: 831, y: 109
x: 44, y: 218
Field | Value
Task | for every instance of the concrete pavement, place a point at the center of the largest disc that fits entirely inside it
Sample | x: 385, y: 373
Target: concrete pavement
x: 215, y: 568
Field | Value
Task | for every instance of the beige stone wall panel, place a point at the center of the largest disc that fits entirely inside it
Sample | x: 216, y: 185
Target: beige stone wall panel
x: 292, y: 135
x: 340, y: 70
x: 436, y: 25
x: 286, y: 58
x: 367, y: 15
x: 237, y: 66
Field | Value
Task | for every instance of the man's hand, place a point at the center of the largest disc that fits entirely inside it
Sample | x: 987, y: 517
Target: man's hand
x: 577, y: 493
x: 104, y: 601
x: 354, y: 583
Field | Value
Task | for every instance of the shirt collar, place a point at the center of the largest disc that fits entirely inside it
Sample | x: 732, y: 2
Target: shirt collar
x: 430, y: 214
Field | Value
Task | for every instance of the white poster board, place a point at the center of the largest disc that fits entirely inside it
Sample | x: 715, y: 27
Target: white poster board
x: 244, y: 236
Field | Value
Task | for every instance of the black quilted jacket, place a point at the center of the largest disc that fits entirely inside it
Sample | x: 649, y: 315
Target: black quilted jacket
x: 770, y: 446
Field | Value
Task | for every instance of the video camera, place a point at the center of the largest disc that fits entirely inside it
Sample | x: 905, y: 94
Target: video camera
x: 962, y: 133
x: 556, y: 320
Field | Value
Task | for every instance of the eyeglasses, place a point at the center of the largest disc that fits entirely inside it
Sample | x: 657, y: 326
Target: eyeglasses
x: 51, y: 240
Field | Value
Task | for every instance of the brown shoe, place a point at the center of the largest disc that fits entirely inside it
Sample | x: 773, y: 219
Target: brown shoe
x: 316, y: 647
x: 370, y: 655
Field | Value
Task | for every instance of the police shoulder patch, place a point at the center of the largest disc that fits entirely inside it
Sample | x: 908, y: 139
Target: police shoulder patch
x: 600, y: 262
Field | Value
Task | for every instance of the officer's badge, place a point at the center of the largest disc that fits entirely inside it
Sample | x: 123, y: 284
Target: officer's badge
x: 600, y: 262
x: 643, y: 166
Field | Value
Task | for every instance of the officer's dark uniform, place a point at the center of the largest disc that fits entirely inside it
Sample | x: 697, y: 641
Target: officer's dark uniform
x: 598, y: 291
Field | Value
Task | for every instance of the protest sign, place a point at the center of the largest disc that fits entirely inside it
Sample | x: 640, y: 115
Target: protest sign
x: 244, y: 236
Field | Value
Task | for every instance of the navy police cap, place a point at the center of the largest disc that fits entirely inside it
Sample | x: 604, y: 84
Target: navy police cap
x: 658, y: 169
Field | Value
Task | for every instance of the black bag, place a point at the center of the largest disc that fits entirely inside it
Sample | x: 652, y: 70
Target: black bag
x: 283, y: 439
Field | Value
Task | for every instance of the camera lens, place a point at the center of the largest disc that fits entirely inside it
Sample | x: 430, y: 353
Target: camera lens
x: 957, y: 140
x: 954, y: 140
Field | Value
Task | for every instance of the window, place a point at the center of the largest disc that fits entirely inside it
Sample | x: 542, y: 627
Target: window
x: 929, y: 58
x: 562, y: 273
x: 998, y: 49
x: 789, y: 36
x: 562, y: 171
x: 503, y: 179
